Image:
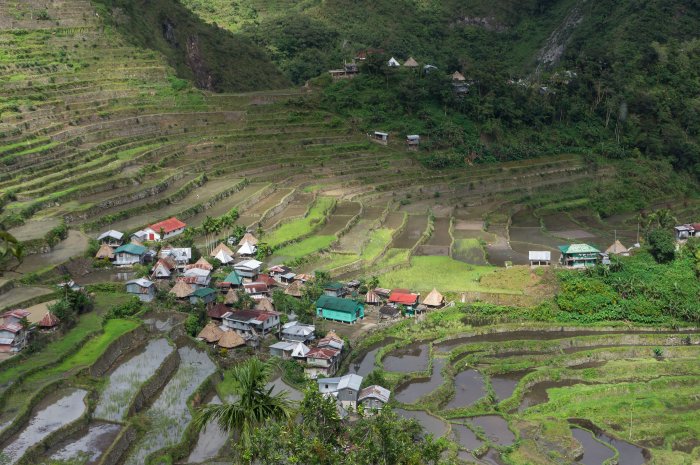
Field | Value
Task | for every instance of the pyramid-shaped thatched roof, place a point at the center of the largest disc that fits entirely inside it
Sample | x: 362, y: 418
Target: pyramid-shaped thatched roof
x: 249, y: 238
x: 105, y: 251
x: 294, y: 289
x: 202, y: 263
x: 265, y: 304
x: 457, y: 76
x: 221, y: 248
x: 617, y: 248
x: 231, y: 297
x: 49, y: 320
x: 434, y: 299
x: 181, y: 290
x: 411, y: 63
x: 231, y: 339
x: 371, y: 297
x: 211, y: 333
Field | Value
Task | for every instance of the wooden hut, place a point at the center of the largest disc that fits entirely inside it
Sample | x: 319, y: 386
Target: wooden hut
x: 434, y: 299
x: 221, y: 248
x: 231, y: 340
x: 231, y: 297
x: 265, y: 304
x: 249, y: 238
x: 411, y: 63
x: 371, y: 298
x: 211, y: 333
x: 618, y: 249
x: 105, y: 251
x: 49, y: 322
x: 182, y: 290
x: 294, y: 289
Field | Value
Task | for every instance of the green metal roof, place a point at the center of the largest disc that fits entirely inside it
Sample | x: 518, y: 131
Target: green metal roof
x: 203, y: 292
x: 336, y: 303
x: 132, y: 249
x: 233, y: 278
x: 334, y: 286
x: 578, y: 248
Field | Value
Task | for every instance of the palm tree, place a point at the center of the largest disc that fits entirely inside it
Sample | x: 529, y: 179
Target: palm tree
x: 255, y: 406
x: 208, y: 228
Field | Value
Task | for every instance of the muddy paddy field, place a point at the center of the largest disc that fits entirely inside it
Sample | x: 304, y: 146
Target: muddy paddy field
x: 526, y: 391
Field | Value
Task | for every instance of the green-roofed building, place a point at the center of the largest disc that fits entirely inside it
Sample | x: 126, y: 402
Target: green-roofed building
x: 579, y: 255
x: 129, y: 254
x: 334, y: 289
x: 203, y: 295
x: 337, y: 309
x: 233, y: 279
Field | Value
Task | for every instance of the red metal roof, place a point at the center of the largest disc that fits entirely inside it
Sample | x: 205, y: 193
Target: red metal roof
x: 400, y: 296
x: 255, y: 287
x: 19, y: 314
x: 11, y: 327
x: 323, y: 353
x: 168, y: 226
x: 266, y: 279
x: 218, y: 311
x: 49, y: 321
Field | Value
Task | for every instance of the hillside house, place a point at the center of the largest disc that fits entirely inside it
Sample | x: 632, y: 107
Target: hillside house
x: 232, y: 280
x: 380, y: 137
x: 362, y: 55
x: 277, y: 271
x: 201, y: 264
x: 248, y: 268
x: 618, y: 249
x: 249, y: 238
x: 144, y: 289
x: 231, y: 340
x: 255, y: 322
x: 295, y: 289
x: 686, y: 231
x: 413, y: 141
x: 224, y: 258
x: 180, y: 255
x: 105, y: 252
x: 411, y: 63
x: 393, y: 63
x: 111, y: 238
x: 129, y: 254
x: 13, y: 335
x: 182, y: 289
x: 539, y: 258
x: 221, y: 248
x: 348, y: 71
x: 298, y: 332
x: 247, y: 250
x: 334, y: 289
x: 197, y: 277
x: 163, y: 269
x: 289, y: 350
x: 434, y: 299
x: 579, y: 255
x: 373, y: 397
x: 164, y: 229
x: 458, y: 77
x: 389, y: 312
x: 322, y: 362
x: 332, y: 340
x: 265, y: 304
x: 337, y: 309
x: 210, y: 333
x: 204, y: 295
x: 256, y: 290
x: 48, y: 322
x: 217, y: 311
x: 406, y: 298
x: 344, y: 388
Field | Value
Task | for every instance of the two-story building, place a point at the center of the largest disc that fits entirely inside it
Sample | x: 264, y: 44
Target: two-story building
x: 162, y: 230
x: 337, y: 309
x: 344, y: 388
x: 295, y: 331
x: 254, y: 322
x: 144, y: 289
x: 579, y: 255
x: 248, y: 268
x: 373, y: 397
x: 129, y: 254
x: 180, y: 255
x: 322, y: 362
x: 13, y: 335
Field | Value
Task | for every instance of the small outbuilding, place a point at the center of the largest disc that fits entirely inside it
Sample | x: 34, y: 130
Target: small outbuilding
x: 434, y: 299
x: 231, y: 340
x: 380, y: 137
x: 249, y: 238
x: 182, y: 289
x: 204, y: 295
x: 411, y: 63
x: 539, y: 258
x: 413, y: 141
x: 163, y: 268
x: 129, y: 254
x: 618, y: 249
x: 373, y: 397
x: 371, y: 298
x: 144, y: 289
x: 49, y: 322
x: 393, y: 63
x: 221, y: 248
x: 111, y: 238
x: 295, y: 289
x: 210, y: 333
x: 105, y: 252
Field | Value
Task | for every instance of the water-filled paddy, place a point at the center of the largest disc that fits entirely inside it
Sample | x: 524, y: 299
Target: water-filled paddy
x: 89, y: 446
x: 413, y: 357
x: 417, y: 388
x: 431, y: 424
x: 364, y: 363
x: 469, y: 388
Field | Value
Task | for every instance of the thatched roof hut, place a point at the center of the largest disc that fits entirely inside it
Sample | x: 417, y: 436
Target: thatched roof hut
x: 457, y: 76
x: 182, y: 290
x: 231, y: 297
x: 249, y: 238
x: 202, y: 264
x: 411, y: 63
x: 210, y: 333
x: 434, y: 299
x: 105, y: 251
x: 265, y: 305
x: 617, y: 249
x: 231, y: 339
x: 221, y: 248
x: 294, y: 289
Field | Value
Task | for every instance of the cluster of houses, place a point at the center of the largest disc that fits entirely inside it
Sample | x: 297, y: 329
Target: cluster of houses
x: 348, y: 392
x: 579, y: 255
x: 15, y: 329
x: 684, y: 232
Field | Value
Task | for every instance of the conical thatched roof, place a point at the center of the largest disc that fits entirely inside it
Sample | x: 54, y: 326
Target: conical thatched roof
x: 49, y: 321
x: 294, y: 289
x: 221, y: 248
x: 202, y: 263
x: 411, y: 63
x: 105, y: 252
x: 181, y: 290
x: 249, y: 238
x: 617, y: 248
x: 231, y: 297
x: 265, y: 304
x: 231, y: 339
x: 434, y: 299
x: 211, y: 333
x: 457, y: 76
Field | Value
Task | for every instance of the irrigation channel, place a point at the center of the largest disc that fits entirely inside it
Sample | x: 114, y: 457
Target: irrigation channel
x: 478, y: 388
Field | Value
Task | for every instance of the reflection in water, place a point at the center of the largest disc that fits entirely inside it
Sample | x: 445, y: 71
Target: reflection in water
x: 413, y: 390
x: 413, y: 357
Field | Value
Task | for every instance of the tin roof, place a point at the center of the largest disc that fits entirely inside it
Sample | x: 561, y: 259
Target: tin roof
x: 168, y: 226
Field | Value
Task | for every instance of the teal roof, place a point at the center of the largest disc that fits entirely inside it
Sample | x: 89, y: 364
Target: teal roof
x: 233, y: 278
x: 132, y: 249
x: 578, y: 248
x: 333, y: 286
x: 336, y: 303
x: 203, y: 292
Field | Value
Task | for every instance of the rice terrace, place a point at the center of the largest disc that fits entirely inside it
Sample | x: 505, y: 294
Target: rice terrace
x: 350, y: 232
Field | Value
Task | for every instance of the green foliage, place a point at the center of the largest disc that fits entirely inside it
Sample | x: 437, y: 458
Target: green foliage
x: 196, y: 320
x: 126, y: 309
x: 662, y: 245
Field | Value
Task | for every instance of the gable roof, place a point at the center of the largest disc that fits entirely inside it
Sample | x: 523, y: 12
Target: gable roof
x: 255, y: 288
x: 434, y: 298
x: 403, y: 297
x: 181, y: 289
x: 250, y: 315
x: 249, y: 238
x: 49, y: 320
x: 111, y: 233
x: 223, y: 257
x: 248, y: 264
x: 375, y: 392
x: 351, y: 381
x: 231, y: 297
x: 539, y: 255
x: 168, y: 226
x: 325, y: 353
x: 142, y: 282
x: 203, y: 292
x: 217, y: 311
x: 393, y: 62
x: 131, y: 249
x: 336, y: 303
x: 578, y: 248
x: 178, y: 253
x: 294, y: 289
x: 231, y: 339
x: 246, y: 249
x: 457, y: 76
x: 617, y: 248
x: 300, y: 350
x: 221, y: 247
x: 371, y: 297
x: 202, y: 264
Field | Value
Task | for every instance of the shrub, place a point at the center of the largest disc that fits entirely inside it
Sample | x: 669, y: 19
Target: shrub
x: 662, y: 245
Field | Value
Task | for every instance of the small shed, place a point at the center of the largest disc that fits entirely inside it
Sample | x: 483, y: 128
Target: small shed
x: 295, y: 289
x: 458, y: 77
x: 371, y: 298
x: 111, y: 238
x: 105, y: 252
x: 434, y: 299
x: 221, y: 248
x: 182, y: 290
x: 163, y: 268
x: 283, y: 349
x: 539, y: 258
x: 204, y: 295
x: 413, y: 141
x: 337, y: 309
x: 210, y: 333
x: 411, y: 63
x: 617, y: 249
x: 393, y: 63
x: 334, y: 289
x: 49, y: 322
x: 231, y: 340
x: 143, y: 288
x: 231, y: 297
x: 249, y: 238
x: 380, y: 137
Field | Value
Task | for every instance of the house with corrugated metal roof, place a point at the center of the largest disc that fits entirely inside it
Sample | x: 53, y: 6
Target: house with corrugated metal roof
x: 337, y: 309
x: 373, y: 397
x: 129, y: 254
x: 344, y: 388
x: 144, y: 289
x: 579, y: 255
x: 539, y: 258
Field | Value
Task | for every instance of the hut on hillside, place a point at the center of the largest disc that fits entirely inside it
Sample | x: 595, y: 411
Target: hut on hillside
x: 231, y: 340
x: 380, y: 137
x: 539, y: 258
x: 617, y: 249
x: 295, y: 289
x: 393, y: 63
x: 221, y: 248
x: 182, y: 290
x: 411, y: 63
x: 264, y: 304
x: 105, y: 252
x: 249, y: 238
x: 413, y: 141
x: 459, y: 77
x: 201, y: 264
x: 371, y: 298
x: 49, y: 322
x: 210, y: 333
x: 434, y: 299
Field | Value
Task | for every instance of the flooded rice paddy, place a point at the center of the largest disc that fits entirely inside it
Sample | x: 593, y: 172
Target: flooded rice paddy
x: 469, y: 388
x: 417, y: 388
x: 465, y: 437
x: 88, y: 447
x: 210, y: 441
x: 431, y: 424
x: 126, y: 378
x: 414, y: 357
x: 594, y: 451
x: 600, y: 445
x: 55, y: 411
x: 495, y: 428
x: 415, y: 227
x: 365, y: 362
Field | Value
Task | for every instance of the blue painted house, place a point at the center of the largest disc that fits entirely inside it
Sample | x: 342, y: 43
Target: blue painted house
x: 337, y: 309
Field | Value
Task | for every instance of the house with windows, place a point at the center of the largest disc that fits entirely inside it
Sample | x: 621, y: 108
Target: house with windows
x: 344, y: 388
x: 180, y: 255
x: 129, y: 254
x: 253, y: 322
x: 162, y: 230
x: 13, y: 334
x: 203, y: 295
x: 579, y: 255
x: 373, y: 397
x: 337, y: 309
x: 144, y: 289
x: 406, y: 298
x: 539, y: 258
x: 289, y: 350
x: 248, y: 268
x: 298, y: 332
x: 163, y: 269
x: 111, y: 238
x: 685, y: 231
x: 322, y: 362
